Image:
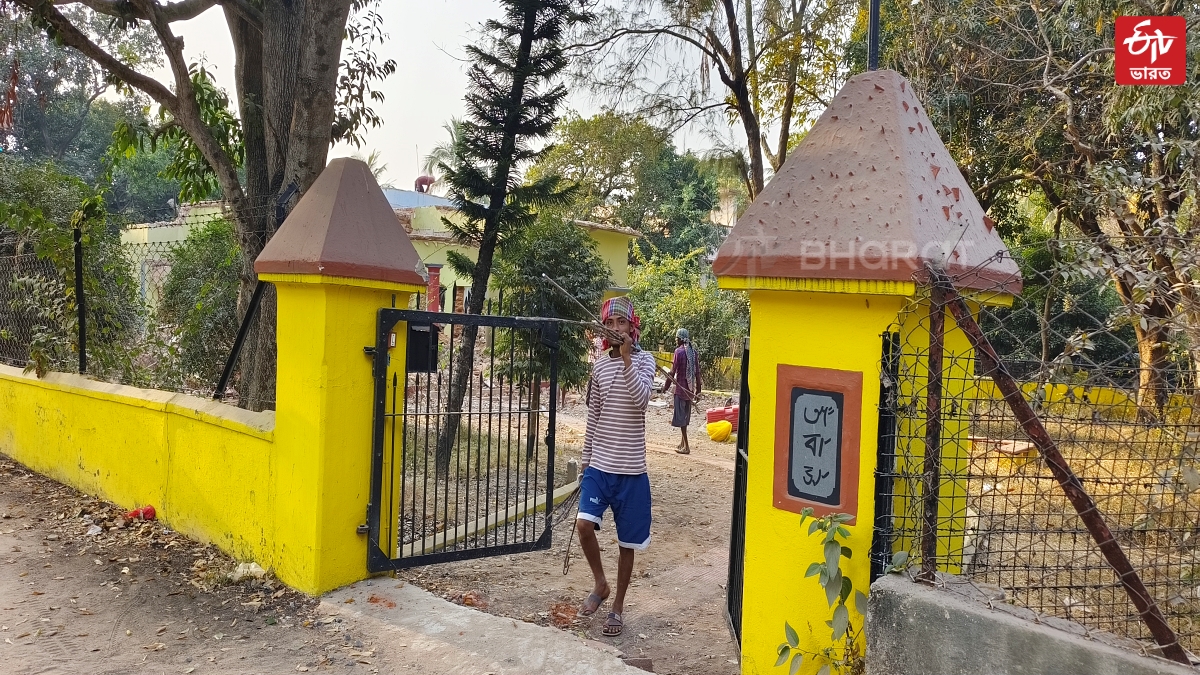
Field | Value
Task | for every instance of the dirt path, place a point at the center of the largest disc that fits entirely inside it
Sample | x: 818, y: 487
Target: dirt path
x: 675, y: 606
x: 138, y: 598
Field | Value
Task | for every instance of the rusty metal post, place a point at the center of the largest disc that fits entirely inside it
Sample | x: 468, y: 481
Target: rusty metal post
x: 931, y: 478
x: 1071, y: 485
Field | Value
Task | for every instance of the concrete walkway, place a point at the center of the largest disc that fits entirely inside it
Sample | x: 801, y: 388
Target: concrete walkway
x: 417, y: 630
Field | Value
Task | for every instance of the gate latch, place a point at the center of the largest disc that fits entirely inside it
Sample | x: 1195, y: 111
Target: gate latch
x: 369, y: 351
x: 362, y: 529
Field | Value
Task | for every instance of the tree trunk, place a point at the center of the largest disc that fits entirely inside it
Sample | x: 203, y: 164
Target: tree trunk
x: 283, y: 24
x: 738, y: 85
x: 314, y: 95
x: 1153, y: 352
x: 253, y: 225
x: 535, y: 404
x: 286, y: 81
x: 464, y: 360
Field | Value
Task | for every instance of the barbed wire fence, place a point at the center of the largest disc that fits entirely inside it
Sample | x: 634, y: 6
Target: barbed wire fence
x: 1101, y: 410
x: 158, y: 301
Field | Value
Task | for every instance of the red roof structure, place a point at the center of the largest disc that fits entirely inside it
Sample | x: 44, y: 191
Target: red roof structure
x: 343, y: 227
x: 871, y: 193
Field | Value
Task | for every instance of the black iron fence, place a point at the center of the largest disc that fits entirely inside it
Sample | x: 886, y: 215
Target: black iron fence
x: 985, y: 470
x: 151, y: 305
x: 737, y: 527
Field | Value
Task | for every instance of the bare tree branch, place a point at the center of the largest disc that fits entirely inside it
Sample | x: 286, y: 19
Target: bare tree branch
x: 75, y: 38
x: 187, y: 108
x: 122, y: 9
x: 664, y: 30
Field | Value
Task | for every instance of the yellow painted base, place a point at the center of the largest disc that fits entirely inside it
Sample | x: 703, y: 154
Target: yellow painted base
x: 324, y: 415
x: 823, y: 330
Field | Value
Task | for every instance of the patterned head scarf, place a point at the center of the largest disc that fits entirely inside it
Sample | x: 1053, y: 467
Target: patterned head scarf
x: 622, y: 306
x: 693, y: 358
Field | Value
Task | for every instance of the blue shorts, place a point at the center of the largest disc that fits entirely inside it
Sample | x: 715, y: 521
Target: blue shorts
x: 629, y: 498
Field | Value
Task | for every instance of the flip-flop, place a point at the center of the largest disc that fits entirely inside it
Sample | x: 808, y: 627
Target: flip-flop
x: 592, y: 598
x: 613, y: 625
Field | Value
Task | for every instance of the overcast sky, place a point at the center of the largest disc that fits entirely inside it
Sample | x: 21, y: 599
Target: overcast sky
x: 426, y: 40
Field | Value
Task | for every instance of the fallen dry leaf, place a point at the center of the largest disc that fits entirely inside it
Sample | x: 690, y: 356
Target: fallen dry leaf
x: 378, y: 600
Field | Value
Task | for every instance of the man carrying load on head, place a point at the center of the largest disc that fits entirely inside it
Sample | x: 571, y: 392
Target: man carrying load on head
x: 614, y: 456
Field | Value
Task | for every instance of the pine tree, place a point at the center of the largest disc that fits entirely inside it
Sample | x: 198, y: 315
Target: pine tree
x: 512, y: 102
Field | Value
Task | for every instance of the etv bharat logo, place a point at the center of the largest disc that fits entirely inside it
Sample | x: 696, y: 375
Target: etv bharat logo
x: 1151, y: 50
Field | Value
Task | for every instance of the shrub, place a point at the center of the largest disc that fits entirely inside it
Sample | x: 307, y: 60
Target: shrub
x: 199, y: 299
x: 670, y: 293
x: 565, y: 253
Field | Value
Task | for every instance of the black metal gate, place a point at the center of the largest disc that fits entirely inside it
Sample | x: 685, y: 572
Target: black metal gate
x: 883, y: 538
x: 463, y: 459
x: 737, y: 530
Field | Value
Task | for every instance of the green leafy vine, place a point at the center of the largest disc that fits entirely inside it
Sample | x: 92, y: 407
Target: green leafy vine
x: 845, y: 653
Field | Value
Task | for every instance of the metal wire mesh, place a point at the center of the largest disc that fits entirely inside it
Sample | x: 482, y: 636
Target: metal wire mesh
x: 1122, y: 418
x: 162, y: 303
x: 33, y: 298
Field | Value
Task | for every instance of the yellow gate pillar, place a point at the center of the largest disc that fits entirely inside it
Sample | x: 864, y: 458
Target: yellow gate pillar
x: 338, y: 258
x: 827, y: 253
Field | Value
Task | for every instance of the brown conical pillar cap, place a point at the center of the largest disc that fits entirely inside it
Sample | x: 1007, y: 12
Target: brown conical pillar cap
x: 343, y: 227
x: 871, y: 193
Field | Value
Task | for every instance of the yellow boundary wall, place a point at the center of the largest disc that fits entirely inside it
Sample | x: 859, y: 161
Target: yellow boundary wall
x: 289, y: 496
x: 1109, y: 402
x: 203, y: 465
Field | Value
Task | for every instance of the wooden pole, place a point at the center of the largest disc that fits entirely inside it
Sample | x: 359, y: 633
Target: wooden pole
x: 1084, y: 505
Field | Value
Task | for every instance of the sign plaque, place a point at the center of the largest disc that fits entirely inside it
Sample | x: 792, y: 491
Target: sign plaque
x: 817, y: 421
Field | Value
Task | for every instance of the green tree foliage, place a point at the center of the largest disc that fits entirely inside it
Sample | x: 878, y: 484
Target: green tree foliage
x: 601, y: 154
x: 668, y: 295
x: 137, y: 189
x: 199, y: 299
x: 59, y: 92
x: 512, y: 104
x: 672, y: 205
x: 298, y: 92
x: 188, y: 166
x: 65, y: 111
x: 39, y: 209
x: 443, y: 153
x: 1059, y: 307
x: 565, y: 253
x: 628, y: 173
x: 1025, y: 96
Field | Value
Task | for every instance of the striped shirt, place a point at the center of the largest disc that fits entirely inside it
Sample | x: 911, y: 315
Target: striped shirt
x: 615, y: 439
